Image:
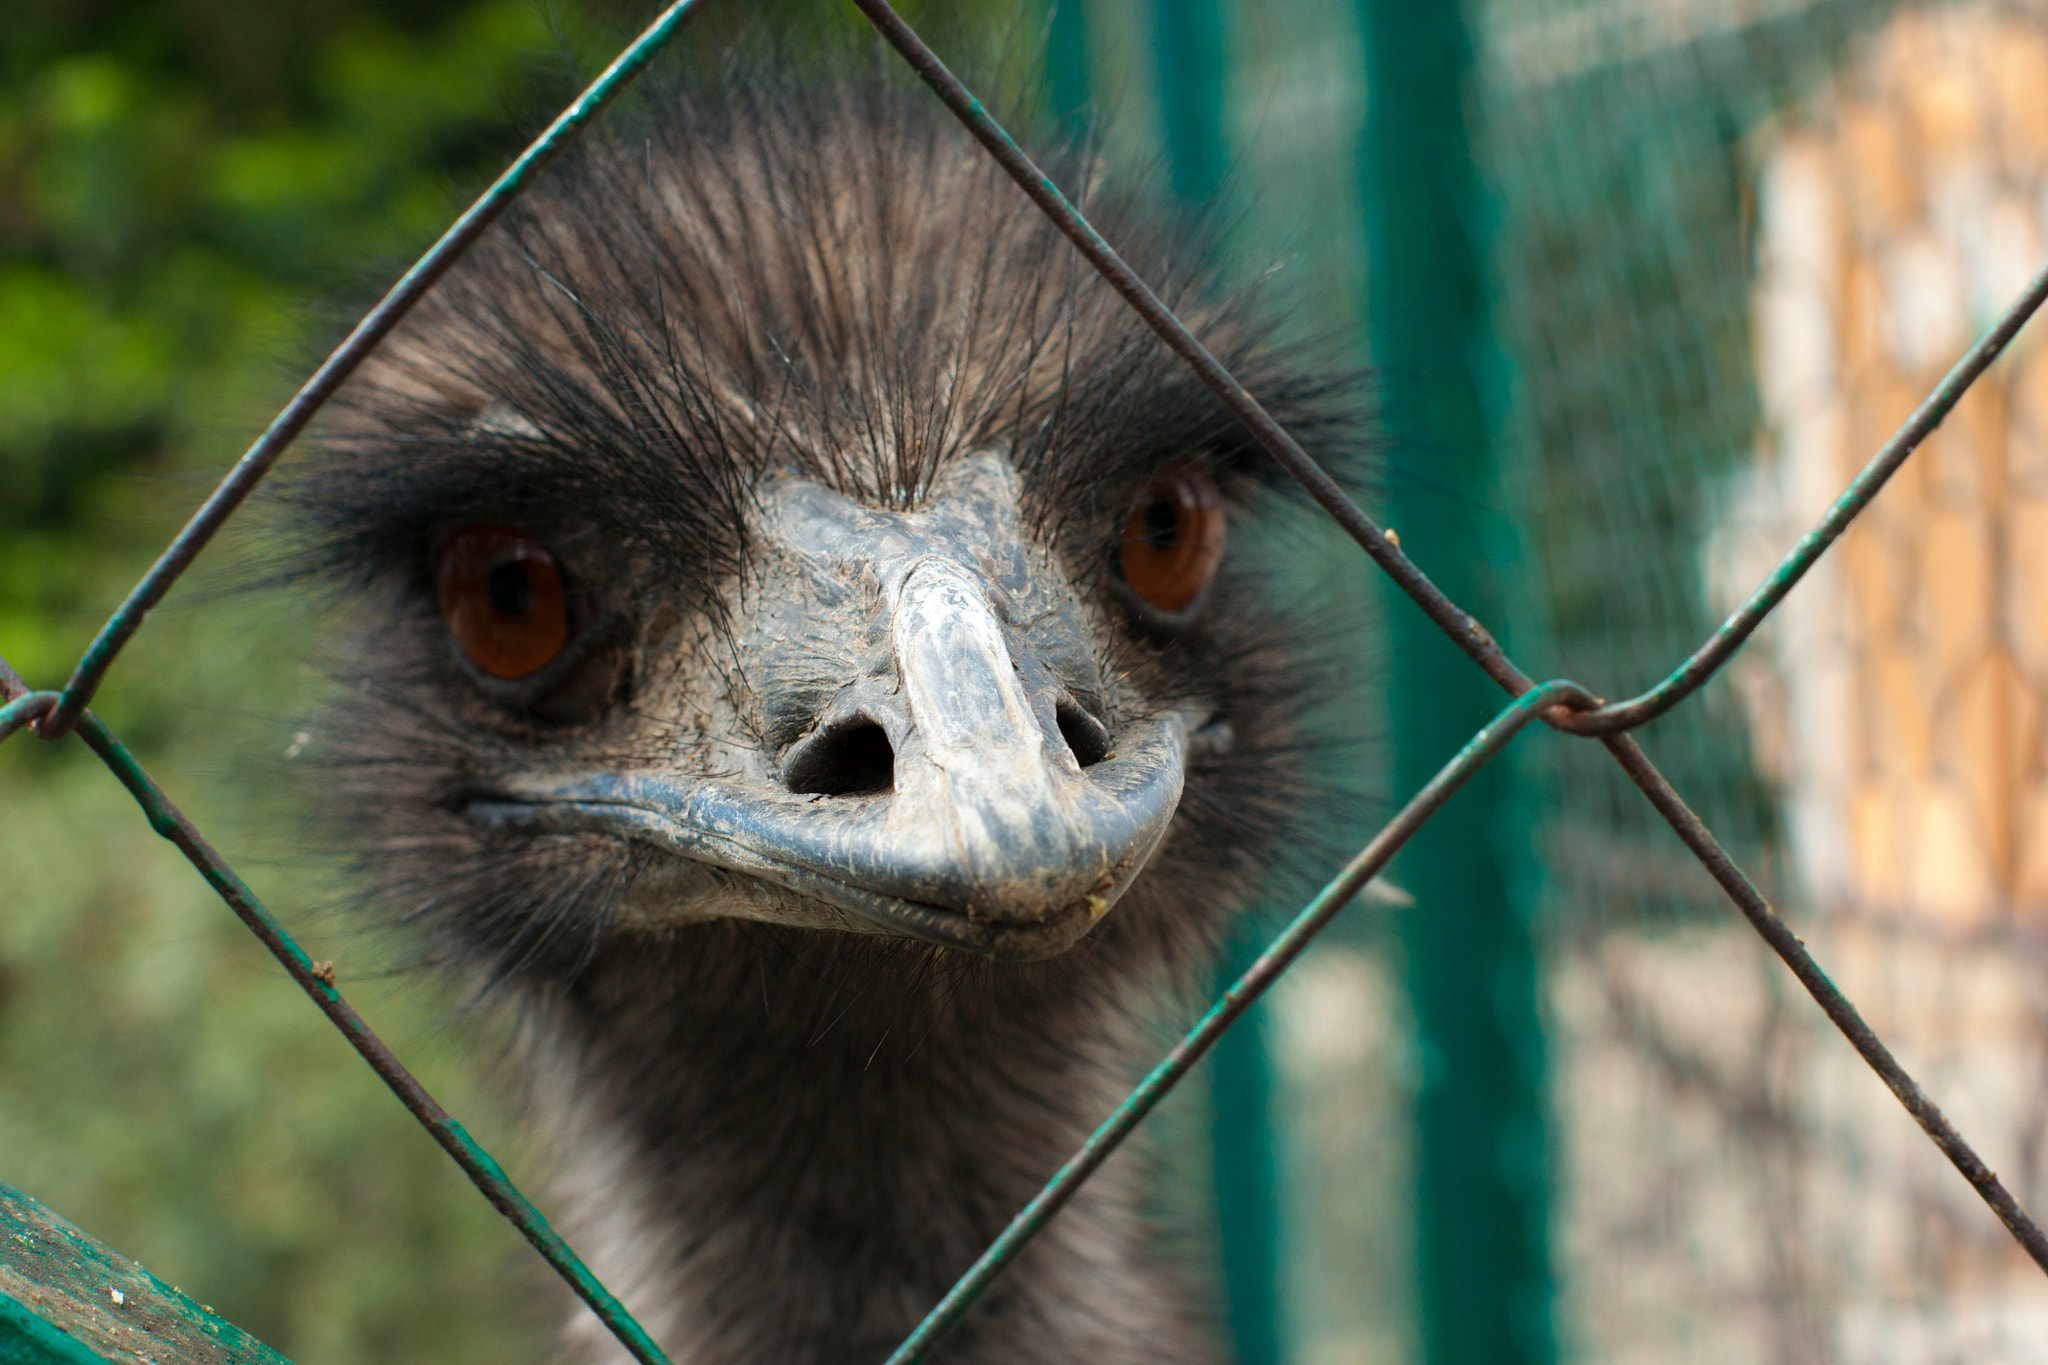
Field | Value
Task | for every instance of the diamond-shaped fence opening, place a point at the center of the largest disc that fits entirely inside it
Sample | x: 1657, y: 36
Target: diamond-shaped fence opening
x: 1710, y: 268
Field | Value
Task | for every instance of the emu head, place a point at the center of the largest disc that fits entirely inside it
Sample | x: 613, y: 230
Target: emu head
x: 775, y: 520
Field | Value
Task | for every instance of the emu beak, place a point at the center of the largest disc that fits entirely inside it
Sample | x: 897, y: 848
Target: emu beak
x: 990, y: 834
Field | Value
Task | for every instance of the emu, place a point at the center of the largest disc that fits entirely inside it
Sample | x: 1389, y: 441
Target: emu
x: 813, y: 676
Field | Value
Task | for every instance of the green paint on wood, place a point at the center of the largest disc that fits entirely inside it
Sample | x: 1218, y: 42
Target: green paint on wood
x: 1482, y: 1261
x: 67, y: 1300
x: 26, y: 1339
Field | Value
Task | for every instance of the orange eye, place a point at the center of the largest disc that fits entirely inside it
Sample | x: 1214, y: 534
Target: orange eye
x: 1173, y: 537
x: 501, y: 594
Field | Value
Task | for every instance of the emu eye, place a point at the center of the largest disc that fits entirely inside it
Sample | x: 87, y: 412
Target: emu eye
x: 1173, y: 537
x: 501, y: 594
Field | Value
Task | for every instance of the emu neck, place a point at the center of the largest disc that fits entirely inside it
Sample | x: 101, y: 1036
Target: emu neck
x: 784, y: 1147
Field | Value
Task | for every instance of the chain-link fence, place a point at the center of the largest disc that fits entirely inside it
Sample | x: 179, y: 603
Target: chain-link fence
x: 1807, y: 209
x: 1714, y: 364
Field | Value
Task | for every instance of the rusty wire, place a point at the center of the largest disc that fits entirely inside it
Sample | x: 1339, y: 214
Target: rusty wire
x: 1565, y: 706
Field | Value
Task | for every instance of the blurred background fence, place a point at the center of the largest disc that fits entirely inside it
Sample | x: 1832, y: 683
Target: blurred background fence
x: 1683, y: 265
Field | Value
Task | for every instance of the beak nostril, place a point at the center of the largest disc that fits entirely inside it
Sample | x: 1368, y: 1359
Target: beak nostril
x: 1086, y: 737
x: 845, y: 760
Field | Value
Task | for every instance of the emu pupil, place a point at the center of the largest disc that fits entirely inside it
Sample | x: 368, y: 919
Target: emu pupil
x: 1162, y: 523
x: 510, y: 589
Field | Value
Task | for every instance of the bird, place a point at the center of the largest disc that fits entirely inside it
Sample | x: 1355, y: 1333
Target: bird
x: 812, y: 662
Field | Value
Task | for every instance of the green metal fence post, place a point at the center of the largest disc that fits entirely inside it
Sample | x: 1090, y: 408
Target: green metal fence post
x: 1481, y: 1166
x: 1247, y: 1175
x: 1069, y: 73
x: 1187, y: 59
x: 1188, y: 62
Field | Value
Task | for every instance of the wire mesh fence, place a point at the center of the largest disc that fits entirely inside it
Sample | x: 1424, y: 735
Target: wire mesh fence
x: 1793, y: 202
x: 1890, y: 815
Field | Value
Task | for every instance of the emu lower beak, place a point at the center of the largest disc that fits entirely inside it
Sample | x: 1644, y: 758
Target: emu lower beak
x: 990, y: 835
x: 1024, y: 874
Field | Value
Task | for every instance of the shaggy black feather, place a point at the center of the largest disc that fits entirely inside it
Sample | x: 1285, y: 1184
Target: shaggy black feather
x: 782, y: 1145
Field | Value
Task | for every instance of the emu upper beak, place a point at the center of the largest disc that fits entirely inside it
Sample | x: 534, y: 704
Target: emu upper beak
x: 991, y: 834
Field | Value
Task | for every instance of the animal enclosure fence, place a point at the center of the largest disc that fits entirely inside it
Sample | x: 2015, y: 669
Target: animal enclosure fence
x: 1538, y: 56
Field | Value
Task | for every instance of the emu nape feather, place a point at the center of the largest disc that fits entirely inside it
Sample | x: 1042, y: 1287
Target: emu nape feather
x: 808, y: 674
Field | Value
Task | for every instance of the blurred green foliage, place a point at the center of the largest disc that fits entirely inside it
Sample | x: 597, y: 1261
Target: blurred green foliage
x: 190, y: 191
x: 187, y: 187
x: 177, y: 181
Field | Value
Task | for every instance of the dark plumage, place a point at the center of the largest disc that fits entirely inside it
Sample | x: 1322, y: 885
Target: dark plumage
x: 783, y: 1139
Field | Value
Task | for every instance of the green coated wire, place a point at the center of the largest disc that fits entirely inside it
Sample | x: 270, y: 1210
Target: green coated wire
x: 1263, y: 972
x: 318, y: 983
